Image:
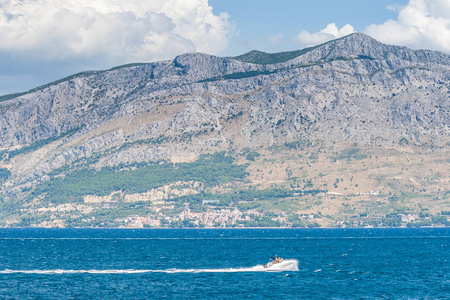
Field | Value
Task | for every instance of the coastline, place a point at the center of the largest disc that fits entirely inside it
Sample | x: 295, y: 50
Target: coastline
x: 225, y: 228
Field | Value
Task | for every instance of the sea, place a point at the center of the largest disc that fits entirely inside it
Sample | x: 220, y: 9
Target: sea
x: 369, y: 263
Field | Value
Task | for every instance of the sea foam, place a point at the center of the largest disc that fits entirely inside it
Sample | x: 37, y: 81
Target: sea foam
x: 257, y: 268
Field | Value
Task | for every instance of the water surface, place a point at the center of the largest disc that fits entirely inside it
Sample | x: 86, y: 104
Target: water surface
x: 224, y: 263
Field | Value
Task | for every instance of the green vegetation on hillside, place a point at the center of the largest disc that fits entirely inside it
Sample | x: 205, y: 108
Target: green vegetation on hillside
x: 263, y: 58
x: 235, y: 197
x: 108, y: 217
x: 250, y: 154
x: 241, y: 75
x: 348, y: 154
x: 139, y: 178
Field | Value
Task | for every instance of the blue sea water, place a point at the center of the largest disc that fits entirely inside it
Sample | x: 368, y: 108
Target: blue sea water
x: 223, y: 263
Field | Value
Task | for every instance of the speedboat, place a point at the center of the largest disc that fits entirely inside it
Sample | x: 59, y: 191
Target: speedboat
x: 282, y: 264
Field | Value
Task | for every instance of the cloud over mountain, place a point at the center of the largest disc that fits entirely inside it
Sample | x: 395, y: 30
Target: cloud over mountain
x: 420, y: 24
x: 111, y: 30
x: 327, y: 34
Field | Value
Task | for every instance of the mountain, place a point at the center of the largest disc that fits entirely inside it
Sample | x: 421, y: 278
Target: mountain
x: 352, y: 118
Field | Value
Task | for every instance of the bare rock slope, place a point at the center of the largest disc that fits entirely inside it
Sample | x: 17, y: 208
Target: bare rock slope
x: 351, y: 90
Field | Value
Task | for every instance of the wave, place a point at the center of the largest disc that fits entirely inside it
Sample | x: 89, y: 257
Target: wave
x: 257, y: 268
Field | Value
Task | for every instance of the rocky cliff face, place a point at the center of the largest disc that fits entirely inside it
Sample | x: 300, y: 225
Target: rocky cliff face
x: 353, y: 89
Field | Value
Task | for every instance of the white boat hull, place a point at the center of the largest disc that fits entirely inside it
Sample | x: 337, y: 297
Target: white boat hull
x: 284, y: 265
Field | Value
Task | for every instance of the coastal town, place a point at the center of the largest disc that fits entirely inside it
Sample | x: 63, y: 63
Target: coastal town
x: 233, y: 218
x: 229, y: 217
x: 211, y: 215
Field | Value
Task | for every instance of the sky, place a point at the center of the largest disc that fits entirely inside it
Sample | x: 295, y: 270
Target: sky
x: 46, y: 40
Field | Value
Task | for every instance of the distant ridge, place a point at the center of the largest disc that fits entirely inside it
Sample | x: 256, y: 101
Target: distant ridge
x: 68, y: 78
x: 263, y: 58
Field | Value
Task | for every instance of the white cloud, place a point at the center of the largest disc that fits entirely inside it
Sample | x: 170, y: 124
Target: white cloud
x: 276, y: 39
x: 113, y: 31
x: 420, y: 24
x: 395, y: 7
x: 328, y: 33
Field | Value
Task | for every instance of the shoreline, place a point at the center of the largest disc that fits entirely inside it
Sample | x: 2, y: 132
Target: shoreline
x: 224, y: 228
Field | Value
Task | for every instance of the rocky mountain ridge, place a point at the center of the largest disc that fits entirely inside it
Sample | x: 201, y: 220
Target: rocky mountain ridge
x: 354, y: 90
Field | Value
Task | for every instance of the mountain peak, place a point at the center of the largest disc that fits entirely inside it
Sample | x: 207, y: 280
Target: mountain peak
x: 358, y: 36
x: 362, y: 45
x: 354, y: 42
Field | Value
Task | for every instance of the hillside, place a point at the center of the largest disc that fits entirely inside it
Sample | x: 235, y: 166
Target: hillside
x: 349, y: 133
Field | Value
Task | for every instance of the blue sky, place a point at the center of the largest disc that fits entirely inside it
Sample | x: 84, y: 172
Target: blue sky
x: 257, y: 20
x: 45, y: 40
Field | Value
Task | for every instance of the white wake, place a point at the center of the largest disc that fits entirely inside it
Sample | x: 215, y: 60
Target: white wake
x: 259, y: 268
